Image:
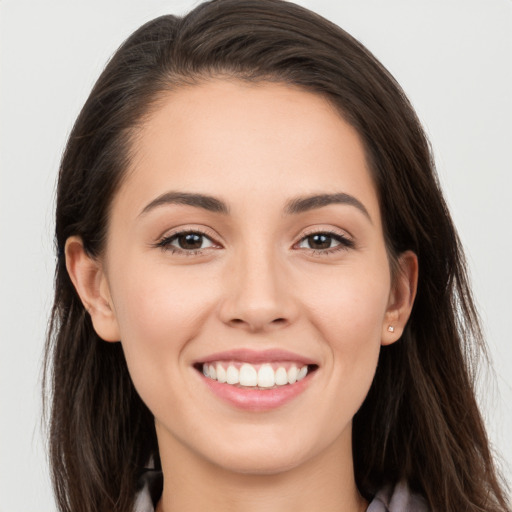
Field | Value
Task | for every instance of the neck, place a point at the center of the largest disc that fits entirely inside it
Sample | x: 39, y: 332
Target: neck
x: 325, y: 483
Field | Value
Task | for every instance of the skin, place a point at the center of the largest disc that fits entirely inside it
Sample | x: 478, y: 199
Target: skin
x: 258, y: 282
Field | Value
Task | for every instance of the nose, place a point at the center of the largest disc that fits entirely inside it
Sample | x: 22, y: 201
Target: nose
x: 258, y: 296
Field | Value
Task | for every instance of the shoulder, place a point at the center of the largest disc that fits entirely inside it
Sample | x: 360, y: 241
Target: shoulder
x: 149, y: 491
x: 397, y: 499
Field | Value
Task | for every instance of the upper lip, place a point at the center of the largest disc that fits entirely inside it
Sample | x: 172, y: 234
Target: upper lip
x: 257, y: 356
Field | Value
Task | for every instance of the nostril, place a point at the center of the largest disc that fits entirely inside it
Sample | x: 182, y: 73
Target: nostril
x: 257, y: 324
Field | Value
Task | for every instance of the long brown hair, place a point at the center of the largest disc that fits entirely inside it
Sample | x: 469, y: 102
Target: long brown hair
x: 420, y: 421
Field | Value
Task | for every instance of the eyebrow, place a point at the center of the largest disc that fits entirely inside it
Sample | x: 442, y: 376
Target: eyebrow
x: 205, y: 202
x: 293, y: 207
x: 304, y: 204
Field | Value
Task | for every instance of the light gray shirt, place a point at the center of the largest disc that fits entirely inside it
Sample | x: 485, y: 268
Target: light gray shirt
x: 389, y: 499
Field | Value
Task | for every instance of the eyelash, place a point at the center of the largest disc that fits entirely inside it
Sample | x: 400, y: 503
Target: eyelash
x: 165, y: 242
x: 344, y: 242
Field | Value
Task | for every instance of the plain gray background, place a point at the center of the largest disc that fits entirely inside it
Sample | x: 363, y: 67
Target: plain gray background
x: 452, y: 57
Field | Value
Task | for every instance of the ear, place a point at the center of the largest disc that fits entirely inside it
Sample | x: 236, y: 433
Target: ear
x: 401, y: 298
x: 91, y: 284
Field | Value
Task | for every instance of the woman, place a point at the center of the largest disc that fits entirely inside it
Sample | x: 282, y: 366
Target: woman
x: 260, y: 294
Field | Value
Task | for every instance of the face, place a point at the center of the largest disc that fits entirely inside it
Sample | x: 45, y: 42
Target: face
x: 246, y: 241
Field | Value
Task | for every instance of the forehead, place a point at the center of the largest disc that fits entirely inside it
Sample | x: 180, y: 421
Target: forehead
x: 225, y: 136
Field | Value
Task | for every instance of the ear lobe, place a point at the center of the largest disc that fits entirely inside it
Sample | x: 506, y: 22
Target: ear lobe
x: 89, y: 279
x: 401, y: 298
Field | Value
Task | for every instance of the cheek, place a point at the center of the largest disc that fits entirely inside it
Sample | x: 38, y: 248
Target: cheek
x: 350, y: 320
x: 351, y: 307
x: 157, y: 303
x: 158, y: 312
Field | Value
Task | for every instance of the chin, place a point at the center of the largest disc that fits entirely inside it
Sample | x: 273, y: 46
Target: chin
x: 268, y: 455
x: 262, y: 464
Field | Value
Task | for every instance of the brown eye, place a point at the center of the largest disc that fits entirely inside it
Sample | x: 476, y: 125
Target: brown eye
x: 319, y: 241
x: 325, y: 241
x: 186, y: 242
x: 190, y: 241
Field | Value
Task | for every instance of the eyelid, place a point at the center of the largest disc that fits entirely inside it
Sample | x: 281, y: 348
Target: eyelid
x: 327, y: 229
x: 163, y: 241
x: 346, y: 240
x: 188, y: 228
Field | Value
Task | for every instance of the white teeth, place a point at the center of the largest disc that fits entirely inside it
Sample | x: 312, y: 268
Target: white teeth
x: 221, y: 373
x: 292, y: 374
x: 302, y: 373
x: 249, y: 376
x: 232, y: 375
x: 266, y: 376
x: 281, y: 376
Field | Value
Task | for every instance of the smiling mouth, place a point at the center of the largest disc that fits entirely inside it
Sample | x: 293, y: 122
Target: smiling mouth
x: 263, y: 376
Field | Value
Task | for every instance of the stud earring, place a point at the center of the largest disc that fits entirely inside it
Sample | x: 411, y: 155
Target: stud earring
x: 391, y: 328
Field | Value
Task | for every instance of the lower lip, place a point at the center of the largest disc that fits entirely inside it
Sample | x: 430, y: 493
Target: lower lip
x: 251, y: 399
